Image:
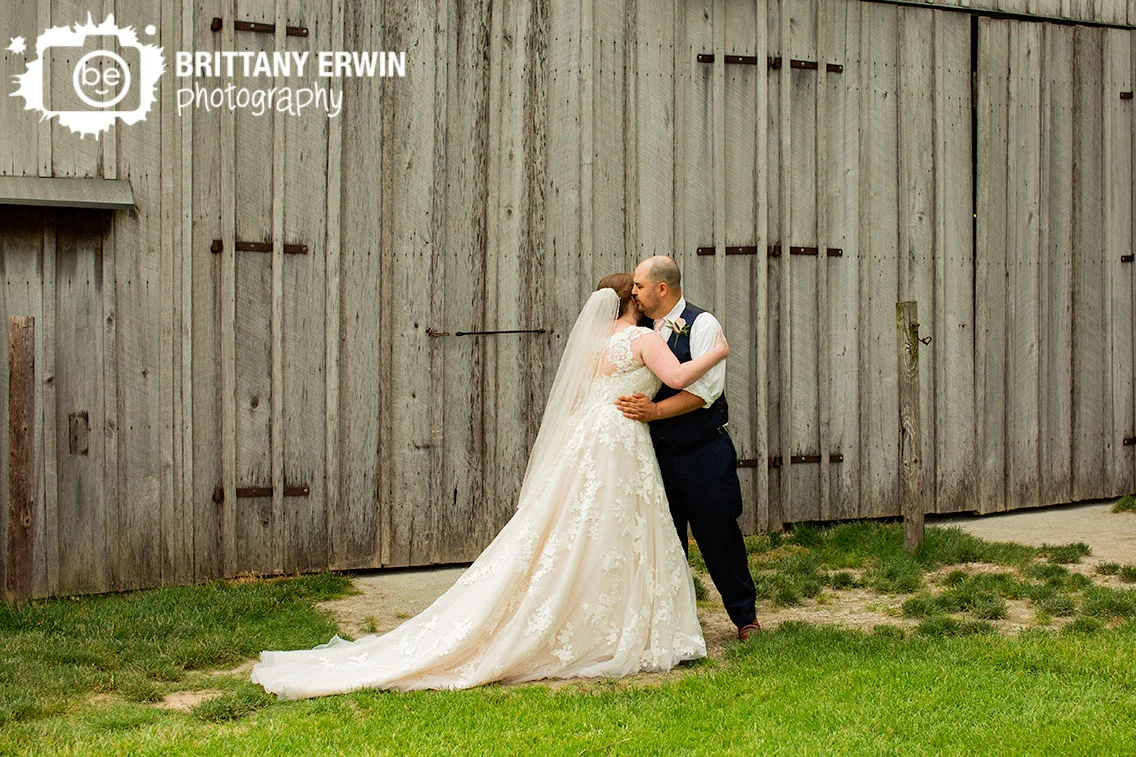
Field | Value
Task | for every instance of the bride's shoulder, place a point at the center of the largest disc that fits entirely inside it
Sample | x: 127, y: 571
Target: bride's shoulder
x: 637, y: 331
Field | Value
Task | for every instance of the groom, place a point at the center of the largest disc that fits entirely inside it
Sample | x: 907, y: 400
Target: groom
x: 695, y: 452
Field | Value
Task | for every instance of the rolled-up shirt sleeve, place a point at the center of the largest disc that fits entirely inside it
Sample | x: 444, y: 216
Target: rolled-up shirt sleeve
x: 703, y: 332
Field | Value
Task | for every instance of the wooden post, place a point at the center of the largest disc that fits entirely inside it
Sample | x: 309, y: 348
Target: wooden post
x: 910, y: 440
x: 21, y: 443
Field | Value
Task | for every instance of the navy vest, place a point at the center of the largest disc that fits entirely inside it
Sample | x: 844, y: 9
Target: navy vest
x: 685, y: 431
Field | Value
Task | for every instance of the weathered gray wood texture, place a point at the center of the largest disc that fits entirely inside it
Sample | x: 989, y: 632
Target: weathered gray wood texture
x: 534, y: 147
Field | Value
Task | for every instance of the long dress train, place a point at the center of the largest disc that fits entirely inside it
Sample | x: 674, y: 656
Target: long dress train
x: 587, y: 579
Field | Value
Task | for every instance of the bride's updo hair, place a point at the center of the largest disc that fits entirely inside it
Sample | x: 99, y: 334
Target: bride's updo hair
x: 621, y: 283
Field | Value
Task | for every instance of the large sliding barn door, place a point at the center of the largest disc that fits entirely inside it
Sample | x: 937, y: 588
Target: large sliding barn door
x: 259, y: 257
x: 1055, y: 282
x: 826, y: 175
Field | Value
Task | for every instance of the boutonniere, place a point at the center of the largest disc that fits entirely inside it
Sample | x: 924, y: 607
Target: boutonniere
x: 678, y: 326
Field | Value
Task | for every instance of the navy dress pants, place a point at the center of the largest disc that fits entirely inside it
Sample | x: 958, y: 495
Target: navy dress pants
x: 703, y: 490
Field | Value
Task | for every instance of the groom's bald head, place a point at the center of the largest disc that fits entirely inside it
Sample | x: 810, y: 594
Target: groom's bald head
x: 658, y: 286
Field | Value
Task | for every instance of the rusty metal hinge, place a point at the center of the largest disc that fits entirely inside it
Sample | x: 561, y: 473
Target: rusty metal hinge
x: 1126, y: 258
x: 253, y: 26
x: 1125, y: 95
x: 776, y: 461
x: 832, y: 252
x: 1130, y: 441
x: 296, y: 490
x: 809, y: 65
x: 289, y: 249
x: 436, y: 333
x: 730, y: 250
x: 773, y: 250
x: 773, y: 62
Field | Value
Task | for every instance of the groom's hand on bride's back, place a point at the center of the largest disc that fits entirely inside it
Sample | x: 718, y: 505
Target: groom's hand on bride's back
x: 637, y: 407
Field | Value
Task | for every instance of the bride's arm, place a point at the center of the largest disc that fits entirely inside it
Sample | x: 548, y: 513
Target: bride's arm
x: 662, y: 362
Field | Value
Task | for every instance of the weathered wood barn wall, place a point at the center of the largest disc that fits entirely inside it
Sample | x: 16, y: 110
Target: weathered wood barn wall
x: 205, y: 413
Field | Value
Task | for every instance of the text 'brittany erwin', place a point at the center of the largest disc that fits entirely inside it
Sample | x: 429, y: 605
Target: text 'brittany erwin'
x: 329, y: 63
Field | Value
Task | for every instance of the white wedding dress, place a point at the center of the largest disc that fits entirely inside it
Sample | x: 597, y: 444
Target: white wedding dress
x: 588, y: 578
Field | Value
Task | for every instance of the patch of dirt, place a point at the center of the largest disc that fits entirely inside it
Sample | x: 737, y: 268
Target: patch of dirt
x: 241, y: 670
x: 387, y: 598
x: 970, y: 568
x: 184, y: 701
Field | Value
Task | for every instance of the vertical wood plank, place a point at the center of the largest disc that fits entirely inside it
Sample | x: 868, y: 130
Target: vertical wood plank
x: 880, y: 444
x: 1056, y: 284
x: 1091, y: 377
x: 917, y: 206
x: 408, y: 182
x: 821, y: 237
x: 953, y: 318
x: 990, y: 400
x: 1116, y: 179
x: 332, y: 287
x: 19, y: 547
x: 785, y: 206
x: 184, y: 428
x: 1023, y: 255
x: 210, y: 200
x: 23, y: 269
x: 653, y: 135
x: 81, y: 518
x: 841, y: 130
x: 355, y: 520
x: 305, y: 180
x: 464, y: 254
x: 800, y: 192
x: 759, y: 280
x: 256, y: 328
x: 613, y: 99
x: 176, y: 525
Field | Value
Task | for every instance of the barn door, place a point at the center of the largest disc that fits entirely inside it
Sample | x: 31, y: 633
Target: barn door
x: 260, y: 382
x: 827, y: 175
x: 1054, y: 302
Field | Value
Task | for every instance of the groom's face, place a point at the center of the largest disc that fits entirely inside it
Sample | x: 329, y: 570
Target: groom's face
x: 646, y: 292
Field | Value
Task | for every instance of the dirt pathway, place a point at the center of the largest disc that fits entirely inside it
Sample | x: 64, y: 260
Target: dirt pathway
x: 1111, y: 536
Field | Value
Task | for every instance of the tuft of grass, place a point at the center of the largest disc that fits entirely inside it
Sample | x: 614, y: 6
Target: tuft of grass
x: 1059, y: 605
x: 1108, y: 568
x: 983, y: 604
x: 895, y: 576
x: 1104, y: 602
x: 1065, y: 553
x: 806, y: 535
x: 1128, y: 574
x: 697, y: 562
x: 232, y: 705
x: 1126, y: 504
x: 945, y: 625
x: 842, y: 579
x: 888, y: 631
x: 1084, y: 625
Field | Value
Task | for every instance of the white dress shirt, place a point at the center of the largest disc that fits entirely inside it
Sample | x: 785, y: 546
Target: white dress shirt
x: 703, y: 333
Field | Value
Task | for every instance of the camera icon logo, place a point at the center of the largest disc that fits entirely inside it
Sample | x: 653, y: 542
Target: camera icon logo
x: 112, y: 76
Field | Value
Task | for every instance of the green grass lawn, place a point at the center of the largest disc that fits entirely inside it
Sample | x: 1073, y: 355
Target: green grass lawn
x: 82, y: 675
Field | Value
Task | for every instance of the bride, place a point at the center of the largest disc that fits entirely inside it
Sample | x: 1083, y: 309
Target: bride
x: 588, y: 577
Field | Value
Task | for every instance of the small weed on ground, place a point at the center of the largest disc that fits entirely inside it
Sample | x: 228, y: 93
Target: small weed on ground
x: 1126, y: 504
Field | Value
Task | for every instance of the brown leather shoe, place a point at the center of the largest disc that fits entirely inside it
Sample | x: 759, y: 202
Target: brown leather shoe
x: 746, y: 631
